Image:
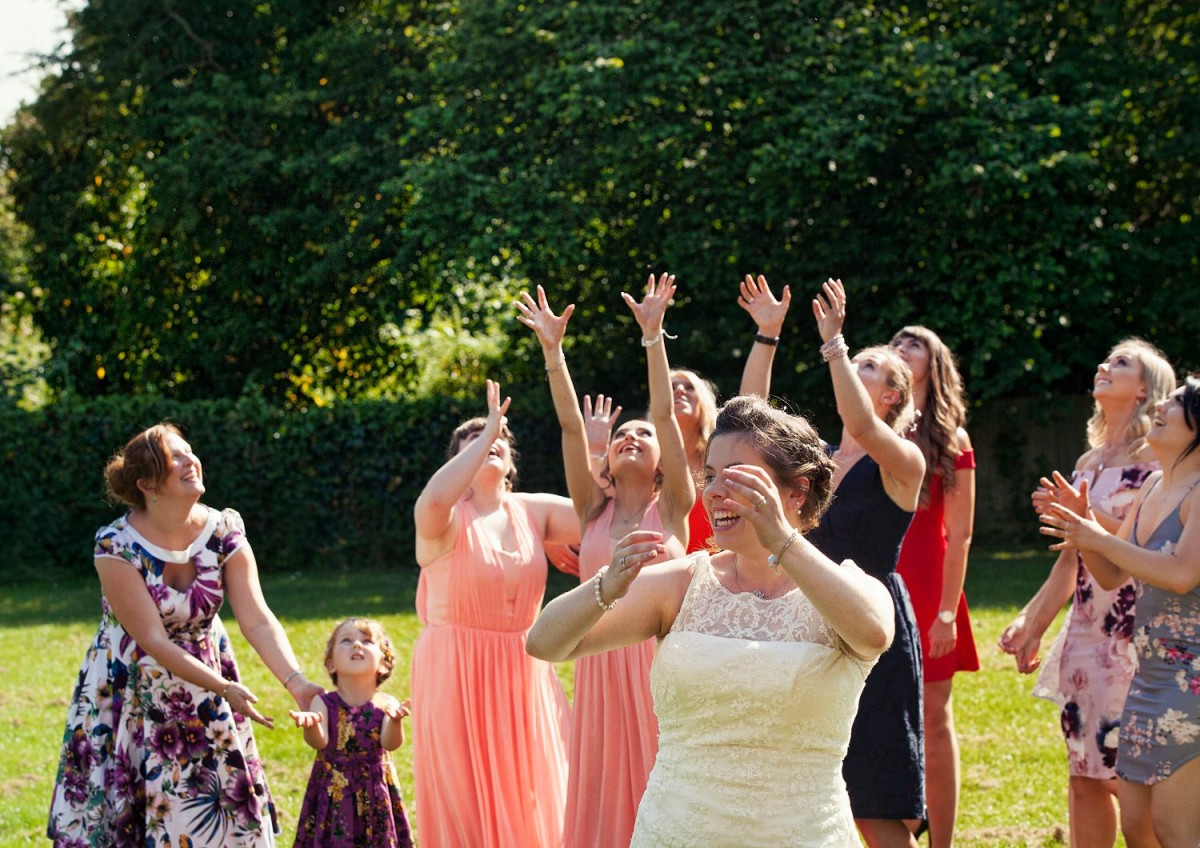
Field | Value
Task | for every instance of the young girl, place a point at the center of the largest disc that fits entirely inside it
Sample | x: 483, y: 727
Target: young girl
x: 353, y: 794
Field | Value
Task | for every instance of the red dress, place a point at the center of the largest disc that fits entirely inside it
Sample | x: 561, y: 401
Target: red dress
x: 922, y: 559
x: 699, y: 529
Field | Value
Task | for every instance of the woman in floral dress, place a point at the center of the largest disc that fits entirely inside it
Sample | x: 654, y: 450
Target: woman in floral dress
x: 158, y: 748
x: 1088, y: 668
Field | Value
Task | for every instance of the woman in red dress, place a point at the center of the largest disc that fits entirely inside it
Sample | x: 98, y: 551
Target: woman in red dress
x: 933, y: 561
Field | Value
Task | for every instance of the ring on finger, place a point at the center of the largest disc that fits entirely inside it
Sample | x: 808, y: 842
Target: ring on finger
x: 623, y: 556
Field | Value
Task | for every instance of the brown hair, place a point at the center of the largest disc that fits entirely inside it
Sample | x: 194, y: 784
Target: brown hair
x: 144, y: 457
x: 936, y: 433
x: 476, y: 425
x: 377, y: 634
x: 900, y: 415
x: 790, y: 447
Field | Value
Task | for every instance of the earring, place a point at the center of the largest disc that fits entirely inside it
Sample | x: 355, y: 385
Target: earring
x: 154, y: 499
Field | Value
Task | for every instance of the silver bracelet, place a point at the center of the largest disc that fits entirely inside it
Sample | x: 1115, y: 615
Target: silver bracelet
x: 558, y: 366
x: 596, y: 588
x: 292, y: 676
x: 773, y: 559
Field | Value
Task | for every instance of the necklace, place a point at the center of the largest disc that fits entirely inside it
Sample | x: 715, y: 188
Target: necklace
x: 737, y: 579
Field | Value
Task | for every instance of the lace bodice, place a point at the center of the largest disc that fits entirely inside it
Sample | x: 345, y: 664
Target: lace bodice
x: 755, y: 699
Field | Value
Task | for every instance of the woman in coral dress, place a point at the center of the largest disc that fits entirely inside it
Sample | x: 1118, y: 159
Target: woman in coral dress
x: 1088, y: 668
x: 933, y: 561
x: 490, y: 723
x: 616, y: 735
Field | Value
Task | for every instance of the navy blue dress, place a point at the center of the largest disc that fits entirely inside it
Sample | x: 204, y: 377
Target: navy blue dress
x: 885, y: 765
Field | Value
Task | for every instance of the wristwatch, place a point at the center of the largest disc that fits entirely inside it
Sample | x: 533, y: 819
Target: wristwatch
x: 947, y: 616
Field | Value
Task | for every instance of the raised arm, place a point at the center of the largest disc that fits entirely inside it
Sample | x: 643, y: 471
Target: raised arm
x: 598, y: 422
x: 678, y: 489
x: 898, y: 458
x: 756, y: 297
x: 585, y: 492
x: 435, y: 511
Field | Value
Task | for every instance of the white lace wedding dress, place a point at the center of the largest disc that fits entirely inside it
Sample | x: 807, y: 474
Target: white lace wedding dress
x: 755, y: 699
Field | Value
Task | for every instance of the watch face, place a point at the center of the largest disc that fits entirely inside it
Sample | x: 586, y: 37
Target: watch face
x: 946, y: 617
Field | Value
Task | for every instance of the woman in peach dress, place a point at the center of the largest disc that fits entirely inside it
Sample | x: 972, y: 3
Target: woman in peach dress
x: 616, y: 734
x: 490, y: 723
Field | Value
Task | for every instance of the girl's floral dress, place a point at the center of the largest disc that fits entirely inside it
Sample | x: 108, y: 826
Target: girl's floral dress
x: 148, y: 759
x: 353, y: 796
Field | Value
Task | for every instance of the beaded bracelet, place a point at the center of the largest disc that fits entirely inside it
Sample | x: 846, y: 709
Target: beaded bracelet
x: 558, y: 366
x: 767, y: 340
x: 599, y: 600
x: 773, y: 559
x: 834, y: 348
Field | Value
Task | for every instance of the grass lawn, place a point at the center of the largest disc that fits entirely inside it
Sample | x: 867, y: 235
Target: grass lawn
x: 1014, y: 766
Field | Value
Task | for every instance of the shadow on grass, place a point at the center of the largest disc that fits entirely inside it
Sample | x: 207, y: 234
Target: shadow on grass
x: 994, y: 579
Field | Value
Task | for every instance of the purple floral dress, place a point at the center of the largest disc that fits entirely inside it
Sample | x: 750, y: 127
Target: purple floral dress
x: 148, y: 759
x: 1089, y: 666
x: 353, y: 797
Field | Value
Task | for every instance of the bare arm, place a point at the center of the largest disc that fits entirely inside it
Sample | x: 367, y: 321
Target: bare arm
x: 435, y: 512
x: 678, y: 489
x: 313, y: 722
x: 585, y: 492
x: 574, y: 625
x: 1023, y: 637
x: 555, y: 515
x: 899, y: 459
x: 856, y: 605
x: 127, y: 596
x: 391, y: 736
x: 260, y: 626
x: 756, y: 297
x: 960, y: 525
x: 1112, y: 559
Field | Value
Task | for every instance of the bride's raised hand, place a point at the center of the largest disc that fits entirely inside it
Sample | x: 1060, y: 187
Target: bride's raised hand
x: 650, y: 310
x: 539, y: 317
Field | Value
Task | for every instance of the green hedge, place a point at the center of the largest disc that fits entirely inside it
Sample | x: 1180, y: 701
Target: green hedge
x: 323, y: 488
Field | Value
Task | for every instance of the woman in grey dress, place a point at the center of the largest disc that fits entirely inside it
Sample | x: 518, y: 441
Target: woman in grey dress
x: 1158, y: 758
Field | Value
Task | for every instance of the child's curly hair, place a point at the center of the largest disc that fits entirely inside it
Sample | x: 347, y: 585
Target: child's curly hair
x: 375, y: 630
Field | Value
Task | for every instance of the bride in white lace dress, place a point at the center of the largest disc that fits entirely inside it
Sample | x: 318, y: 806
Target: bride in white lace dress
x: 764, y: 647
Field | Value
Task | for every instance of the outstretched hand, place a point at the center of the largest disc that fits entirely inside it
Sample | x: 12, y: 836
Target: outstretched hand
x: 650, y: 310
x: 396, y: 710
x: 829, y: 308
x: 1078, y: 530
x: 598, y: 422
x: 755, y: 296
x: 1058, y: 490
x: 305, y: 718
x: 539, y: 317
x: 496, y: 412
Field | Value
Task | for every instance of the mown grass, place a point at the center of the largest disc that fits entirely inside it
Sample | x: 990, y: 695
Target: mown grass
x: 1014, y: 768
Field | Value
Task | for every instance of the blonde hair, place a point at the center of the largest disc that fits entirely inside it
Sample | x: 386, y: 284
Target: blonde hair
x: 900, y: 415
x: 377, y: 634
x: 1159, y: 379
x: 706, y: 405
x: 936, y: 433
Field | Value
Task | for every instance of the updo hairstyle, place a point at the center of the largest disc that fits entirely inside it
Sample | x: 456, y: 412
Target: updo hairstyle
x: 790, y: 447
x: 145, y: 457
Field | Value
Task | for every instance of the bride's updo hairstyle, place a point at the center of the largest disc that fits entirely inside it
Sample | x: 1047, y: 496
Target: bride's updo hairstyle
x: 790, y: 447
x: 144, y: 457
